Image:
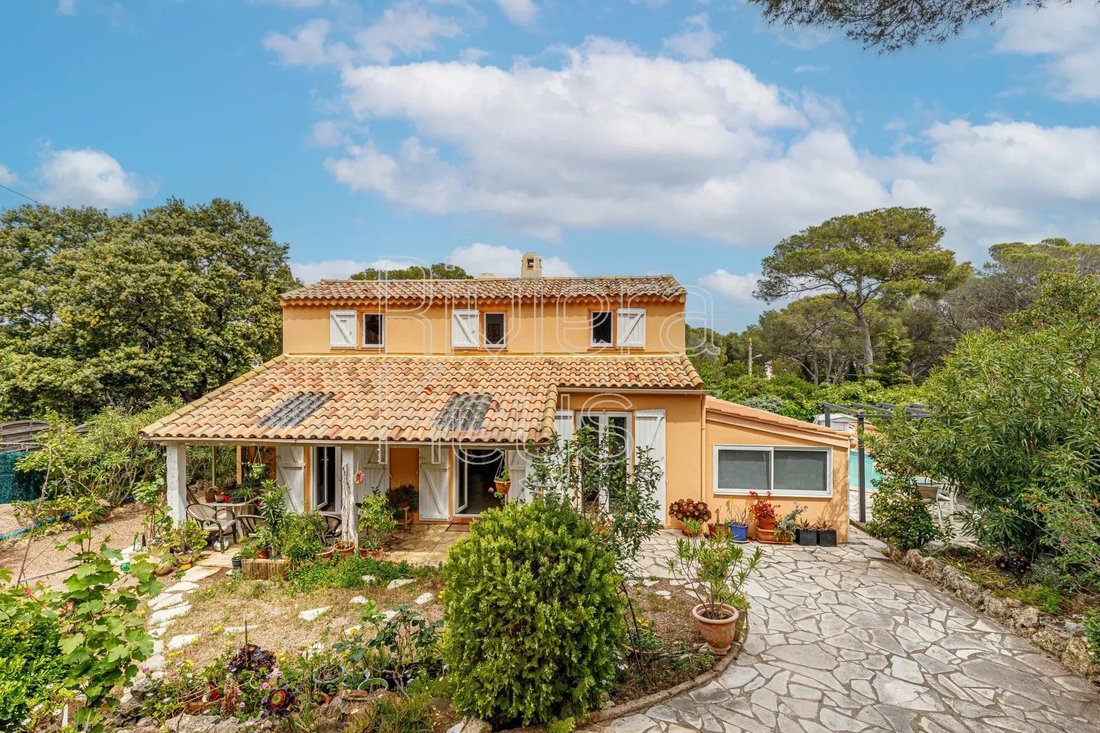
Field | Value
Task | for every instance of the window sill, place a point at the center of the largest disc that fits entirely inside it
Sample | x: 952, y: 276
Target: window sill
x: 776, y: 494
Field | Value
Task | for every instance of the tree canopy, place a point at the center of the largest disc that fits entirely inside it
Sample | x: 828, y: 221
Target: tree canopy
x: 887, y: 24
x: 438, y: 271
x: 883, y: 256
x: 121, y: 311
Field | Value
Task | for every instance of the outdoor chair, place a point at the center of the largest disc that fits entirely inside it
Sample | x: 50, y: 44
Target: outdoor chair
x: 247, y: 524
x: 332, y: 525
x: 218, y: 523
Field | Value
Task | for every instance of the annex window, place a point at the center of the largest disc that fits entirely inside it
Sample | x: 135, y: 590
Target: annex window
x: 324, y: 477
x: 374, y: 330
x: 601, y: 322
x: 494, y: 331
x: 783, y: 471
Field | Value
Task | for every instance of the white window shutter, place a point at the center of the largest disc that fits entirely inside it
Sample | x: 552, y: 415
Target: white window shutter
x: 290, y: 462
x: 464, y: 329
x: 517, y: 471
x: 649, y: 432
x: 341, y: 329
x: 563, y: 424
x: 631, y: 328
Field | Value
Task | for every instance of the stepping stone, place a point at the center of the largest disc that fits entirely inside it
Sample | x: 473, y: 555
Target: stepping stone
x: 368, y: 579
x: 164, y: 600
x: 663, y: 593
x: 159, y: 630
x: 182, y: 587
x: 230, y: 630
x: 179, y: 642
x: 387, y: 615
x: 359, y: 600
x: 158, y: 647
x: 166, y: 614
x: 154, y: 663
x: 199, y: 572
x: 650, y: 582
x: 398, y: 582
x: 352, y: 630
x: 424, y: 598
x: 314, y: 613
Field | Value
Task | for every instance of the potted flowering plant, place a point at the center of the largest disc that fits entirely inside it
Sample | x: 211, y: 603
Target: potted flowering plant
x: 786, y: 527
x: 689, y: 509
x: 502, y: 483
x: 763, y: 511
x: 718, y: 528
x: 376, y: 524
x: 715, y: 571
x: 807, y: 534
x: 738, y: 522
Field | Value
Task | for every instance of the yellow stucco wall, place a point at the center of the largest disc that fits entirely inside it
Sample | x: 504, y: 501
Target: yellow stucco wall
x: 551, y: 328
x: 833, y: 510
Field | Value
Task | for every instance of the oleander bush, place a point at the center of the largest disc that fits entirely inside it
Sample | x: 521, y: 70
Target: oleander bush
x: 534, y: 624
x: 899, y: 515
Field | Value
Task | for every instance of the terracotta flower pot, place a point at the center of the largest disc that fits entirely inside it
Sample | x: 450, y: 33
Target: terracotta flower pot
x: 765, y: 535
x: 502, y: 487
x: 345, y: 551
x: 718, y: 633
x: 263, y: 553
x: 765, y: 523
x: 373, y: 554
x: 210, y: 497
x: 326, y: 555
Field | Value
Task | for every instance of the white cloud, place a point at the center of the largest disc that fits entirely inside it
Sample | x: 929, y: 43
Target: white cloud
x: 479, y: 258
x: 732, y: 286
x: 66, y: 7
x: 89, y: 177
x: 406, y: 28
x: 811, y: 68
x: 520, y: 12
x: 695, y: 40
x: 1068, y: 35
x: 7, y: 178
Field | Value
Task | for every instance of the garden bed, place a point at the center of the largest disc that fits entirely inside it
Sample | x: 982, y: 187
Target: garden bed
x: 1062, y: 635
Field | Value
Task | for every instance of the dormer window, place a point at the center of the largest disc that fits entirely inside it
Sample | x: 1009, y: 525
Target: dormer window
x: 374, y: 330
x: 602, y: 328
x: 494, y: 331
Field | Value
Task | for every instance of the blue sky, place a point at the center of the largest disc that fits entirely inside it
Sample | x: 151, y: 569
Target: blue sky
x: 613, y: 138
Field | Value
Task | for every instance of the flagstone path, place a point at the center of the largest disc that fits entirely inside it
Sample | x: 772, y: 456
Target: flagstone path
x: 842, y: 639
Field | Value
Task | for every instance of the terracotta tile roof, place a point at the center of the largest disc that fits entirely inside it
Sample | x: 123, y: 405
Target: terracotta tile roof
x: 736, y: 410
x: 630, y: 289
x: 382, y: 398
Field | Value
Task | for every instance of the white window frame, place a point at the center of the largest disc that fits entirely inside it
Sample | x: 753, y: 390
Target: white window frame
x: 770, y: 450
x: 458, y: 313
x: 485, y: 330
x: 620, y: 332
x: 382, y: 330
x: 591, y: 331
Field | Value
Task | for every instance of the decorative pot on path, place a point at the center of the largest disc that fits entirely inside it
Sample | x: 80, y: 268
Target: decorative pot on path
x: 718, y: 633
x: 739, y: 532
x: 826, y: 537
x: 807, y: 537
x: 765, y: 535
x: 372, y: 554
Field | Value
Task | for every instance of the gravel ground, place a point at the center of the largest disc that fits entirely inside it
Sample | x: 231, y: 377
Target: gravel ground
x: 43, y: 558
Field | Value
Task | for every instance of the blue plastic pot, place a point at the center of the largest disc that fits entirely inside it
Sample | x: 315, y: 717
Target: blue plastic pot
x: 738, y: 532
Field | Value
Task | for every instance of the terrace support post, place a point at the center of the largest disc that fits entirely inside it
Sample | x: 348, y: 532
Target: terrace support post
x: 177, y: 481
x: 862, y: 468
x: 828, y: 417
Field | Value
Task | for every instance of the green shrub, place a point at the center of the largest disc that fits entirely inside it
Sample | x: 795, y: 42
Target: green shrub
x: 1047, y: 600
x: 1092, y: 635
x: 302, y: 537
x: 533, y: 617
x: 347, y: 572
x: 396, y: 714
x: 899, y: 515
x: 29, y: 668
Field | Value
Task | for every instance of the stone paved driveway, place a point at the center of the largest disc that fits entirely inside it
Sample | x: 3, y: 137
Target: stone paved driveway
x: 844, y: 640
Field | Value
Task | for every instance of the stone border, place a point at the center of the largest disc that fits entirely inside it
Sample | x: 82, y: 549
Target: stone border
x: 605, y: 715
x: 1063, y: 640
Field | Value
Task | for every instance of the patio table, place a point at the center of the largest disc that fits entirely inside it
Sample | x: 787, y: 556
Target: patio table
x: 235, y: 508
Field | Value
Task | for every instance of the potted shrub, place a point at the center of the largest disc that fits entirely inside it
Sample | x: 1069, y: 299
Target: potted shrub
x: 826, y: 534
x: 403, y: 497
x: 376, y: 524
x: 502, y: 484
x: 692, y: 527
x: 203, y: 487
x: 185, y: 541
x: 344, y: 548
x: 763, y: 511
x: 788, y: 525
x: 715, y: 571
x: 807, y: 534
x: 689, y: 509
x: 718, y: 528
x: 738, y: 522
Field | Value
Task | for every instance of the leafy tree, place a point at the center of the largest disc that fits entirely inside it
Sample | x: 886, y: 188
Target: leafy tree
x: 438, y: 271
x: 895, y: 350
x: 880, y: 256
x: 99, y: 311
x: 885, y: 24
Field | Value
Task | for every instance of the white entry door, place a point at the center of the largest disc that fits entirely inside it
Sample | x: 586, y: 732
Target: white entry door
x: 434, y: 480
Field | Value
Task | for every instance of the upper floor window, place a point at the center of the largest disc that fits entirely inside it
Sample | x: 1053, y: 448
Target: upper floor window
x: 631, y: 328
x: 464, y: 329
x: 341, y: 329
x: 601, y: 328
x: 374, y: 330
x: 494, y: 331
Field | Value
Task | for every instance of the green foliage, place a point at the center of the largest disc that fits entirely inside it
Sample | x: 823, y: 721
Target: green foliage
x: 186, y: 539
x: 1092, y: 635
x: 533, y: 614
x: 347, y: 572
x: 1046, y: 599
x: 1015, y: 427
x: 396, y: 714
x: 404, y: 648
x: 715, y: 570
x: 273, y: 510
x: 302, y: 537
x: 376, y: 522
x: 30, y: 666
x: 98, y: 633
x: 899, y: 515
x: 99, y: 310
x: 437, y: 271
x: 104, y: 460
x: 881, y: 256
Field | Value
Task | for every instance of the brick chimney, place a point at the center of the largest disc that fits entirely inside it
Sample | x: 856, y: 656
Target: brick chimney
x: 530, y: 266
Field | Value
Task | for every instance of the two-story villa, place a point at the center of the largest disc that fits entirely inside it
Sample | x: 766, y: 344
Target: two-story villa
x: 436, y: 383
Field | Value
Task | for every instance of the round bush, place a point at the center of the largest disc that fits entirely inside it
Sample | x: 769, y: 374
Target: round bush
x: 900, y: 516
x: 534, y: 622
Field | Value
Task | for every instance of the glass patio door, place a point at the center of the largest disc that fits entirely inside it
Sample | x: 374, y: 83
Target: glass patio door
x: 612, y: 432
